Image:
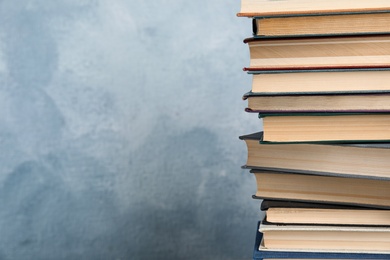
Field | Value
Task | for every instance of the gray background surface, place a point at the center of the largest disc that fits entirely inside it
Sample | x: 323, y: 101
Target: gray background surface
x: 119, y: 130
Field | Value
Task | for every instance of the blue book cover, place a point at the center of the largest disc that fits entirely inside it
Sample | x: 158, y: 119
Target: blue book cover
x: 278, y: 254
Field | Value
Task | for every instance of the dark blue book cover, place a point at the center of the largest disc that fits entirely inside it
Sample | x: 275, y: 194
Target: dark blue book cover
x: 272, y: 254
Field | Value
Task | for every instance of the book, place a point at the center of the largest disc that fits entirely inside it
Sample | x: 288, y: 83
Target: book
x: 320, y: 103
x: 325, y: 237
x: 326, y: 127
x: 362, y: 217
x: 321, y: 24
x: 358, y: 51
x: 251, y: 8
x: 267, y: 204
x: 373, y: 80
x: 366, y: 160
x: 322, y: 189
x: 293, y: 212
x: 260, y: 253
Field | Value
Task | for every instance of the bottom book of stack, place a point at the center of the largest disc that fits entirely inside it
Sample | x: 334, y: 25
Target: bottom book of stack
x: 321, y: 242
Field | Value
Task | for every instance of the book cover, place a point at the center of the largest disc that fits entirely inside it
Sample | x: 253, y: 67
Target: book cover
x: 273, y: 203
x: 326, y: 204
x: 259, y: 137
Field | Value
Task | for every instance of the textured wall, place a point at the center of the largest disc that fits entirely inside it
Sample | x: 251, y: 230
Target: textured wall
x: 119, y: 130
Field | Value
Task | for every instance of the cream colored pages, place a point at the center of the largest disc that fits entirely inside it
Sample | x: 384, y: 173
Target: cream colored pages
x: 278, y: 7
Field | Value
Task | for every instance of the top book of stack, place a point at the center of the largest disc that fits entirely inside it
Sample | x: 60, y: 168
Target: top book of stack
x: 283, y: 18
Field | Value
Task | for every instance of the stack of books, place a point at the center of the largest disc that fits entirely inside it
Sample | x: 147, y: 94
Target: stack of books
x: 321, y: 86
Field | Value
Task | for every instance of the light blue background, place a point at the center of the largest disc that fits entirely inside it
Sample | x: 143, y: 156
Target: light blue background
x: 119, y: 130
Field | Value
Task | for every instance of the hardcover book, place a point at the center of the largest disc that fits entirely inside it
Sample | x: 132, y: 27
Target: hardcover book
x: 250, y: 8
x: 324, y: 216
x: 364, y: 160
x: 359, y: 51
x: 267, y: 204
x: 260, y: 253
x: 293, y: 212
x: 322, y: 189
x: 325, y: 127
x: 321, y: 24
x: 375, y: 80
x: 319, y: 103
x: 326, y: 238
